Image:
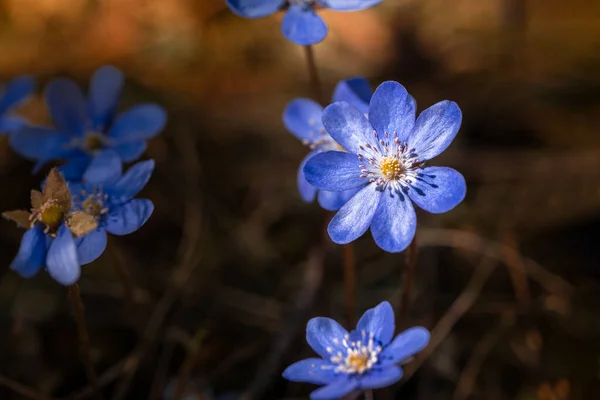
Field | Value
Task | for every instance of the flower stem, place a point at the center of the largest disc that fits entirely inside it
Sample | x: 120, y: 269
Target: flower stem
x: 368, y: 394
x: 409, y: 272
x: 350, y: 283
x: 84, y: 338
x: 124, y: 275
x: 313, y: 74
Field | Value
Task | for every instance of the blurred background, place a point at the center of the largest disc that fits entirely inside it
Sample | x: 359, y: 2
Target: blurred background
x: 226, y: 272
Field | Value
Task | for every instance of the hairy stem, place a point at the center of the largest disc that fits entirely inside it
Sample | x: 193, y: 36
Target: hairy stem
x: 409, y: 276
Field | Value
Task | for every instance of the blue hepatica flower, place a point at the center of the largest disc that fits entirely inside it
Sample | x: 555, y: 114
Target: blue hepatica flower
x: 386, y: 160
x: 301, y: 24
x: 107, y: 194
x: 302, y: 117
x: 49, y: 240
x: 12, y: 95
x: 85, y: 126
x: 364, y: 359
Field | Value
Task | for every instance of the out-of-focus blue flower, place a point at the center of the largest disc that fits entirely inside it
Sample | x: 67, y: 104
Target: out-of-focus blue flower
x: 363, y: 359
x: 107, y: 194
x: 85, y: 126
x: 386, y: 160
x: 49, y: 239
x: 301, y: 24
x: 13, y: 94
x: 302, y: 117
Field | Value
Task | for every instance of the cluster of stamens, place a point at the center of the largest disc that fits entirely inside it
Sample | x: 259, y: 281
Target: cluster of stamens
x: 392, y: 162
x: 320, y: 139
x: 359, y: 356
x: 94, y: 203
x: 90, y: 143
x: 51, y: 214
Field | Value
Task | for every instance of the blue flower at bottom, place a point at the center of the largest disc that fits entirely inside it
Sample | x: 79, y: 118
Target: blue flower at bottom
x: 86, y: 126
x: 14, y: 92
x: 107, y: 194
x: 301, y: 24
x: 302, y: 117
x: 363, y: 359
x: 386, y: 159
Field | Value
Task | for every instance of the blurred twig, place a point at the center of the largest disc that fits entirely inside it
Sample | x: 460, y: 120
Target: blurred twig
x: 350, y: 283
x: 22, y: 389
x: 188, y: 364
x: 409, y: 276
x: 465, y: 385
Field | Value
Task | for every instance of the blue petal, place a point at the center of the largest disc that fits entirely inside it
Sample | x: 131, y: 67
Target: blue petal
x: 380, y: 378
x: 435, y: 129
x: 306, y: 190
x: 74, y: 168
x: 335, y: 390
x: 254, y: 8
x: 104, y: 168
x: 324, y: 334
x: 333, y: 201
x: 15, y: 92
x: 39, y: 143
x: 392, y: 109
x: 302, y: 117
x: 406, y: 344
x: 130, y: 151
x: 67, y: 105
x: 395, y: 222
x: 348, y: 5
x: 334, y: 171
x: 132, y: 182
x: 61, y: 262
x: 105, y: 88
x: 129, y: 217
x: 303, y: 26
x: 11, y: 123
x: 378, y: 321
x: 354, y: 218
x: 438, y: 189
x: 349, y: 127
x: 311, y: 370
x: 139, y: 123
x: 32, y: 253
x: 91, y: 246
x: 355, y: 91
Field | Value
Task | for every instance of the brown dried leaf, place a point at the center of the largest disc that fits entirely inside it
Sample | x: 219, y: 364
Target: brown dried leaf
x: 20, y: 217
x: 36, y: 199
x: 57, y: 189
x: 81, y: 223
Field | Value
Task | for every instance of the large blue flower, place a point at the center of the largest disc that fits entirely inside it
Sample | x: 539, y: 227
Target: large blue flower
x: 301, y: 24
x: 364, y: 359
x: 85, y: 126
x: 12, y: 95
x: 386, y: 160
x: 108, y: 195
x: 302, y: 117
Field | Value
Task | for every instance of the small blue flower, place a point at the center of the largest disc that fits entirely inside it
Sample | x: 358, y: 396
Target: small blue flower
x: 301, y: 24
x: 85, y: 126
x: 12, y: 95
x: 386, y: 161
x: 364, y: 359
x: 108, y: 195
x: 302, y: 117
x: 49, y: 239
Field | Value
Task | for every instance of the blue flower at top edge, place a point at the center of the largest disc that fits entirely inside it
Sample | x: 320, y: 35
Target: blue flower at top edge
x: 302, y: 117
x: 301, y: 24
x: 385, y: 161
x: 12, y: 95
x: 85, y: 126
x: 107, y: 193
x: 366, y: 358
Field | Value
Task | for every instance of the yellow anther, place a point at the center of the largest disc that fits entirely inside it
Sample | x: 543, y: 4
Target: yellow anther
x: 390, y: 167
x: 358, y: 362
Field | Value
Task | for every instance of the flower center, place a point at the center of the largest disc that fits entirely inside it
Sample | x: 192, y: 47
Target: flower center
x: 389, y: 163
x: 95, y: 203
x: 320, y: 139
x: 50, y: 214
x: 390, y: 167
x: 360, y: 355
x: 93, y: 141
